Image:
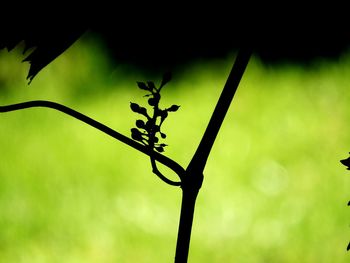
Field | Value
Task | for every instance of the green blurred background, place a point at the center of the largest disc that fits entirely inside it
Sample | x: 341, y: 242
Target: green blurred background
x: 274, y: 188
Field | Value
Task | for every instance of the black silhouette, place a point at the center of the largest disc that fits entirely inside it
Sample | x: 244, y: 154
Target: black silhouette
x: 191, y: 177
x: 154, y: 37
x: 146, y: 132
x: 269, y: 43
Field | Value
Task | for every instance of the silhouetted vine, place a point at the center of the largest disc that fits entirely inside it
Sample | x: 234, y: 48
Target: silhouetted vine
x: 148, y: 130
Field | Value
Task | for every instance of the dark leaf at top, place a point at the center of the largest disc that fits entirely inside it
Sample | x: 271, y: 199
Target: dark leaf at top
x: 166, y: 79
x: 143, y: 86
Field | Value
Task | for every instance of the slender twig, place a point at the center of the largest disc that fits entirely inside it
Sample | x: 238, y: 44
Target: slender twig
x: 53, y: 105
x: 192, y: 177
x: 192, y: 183
x: 202, y: 153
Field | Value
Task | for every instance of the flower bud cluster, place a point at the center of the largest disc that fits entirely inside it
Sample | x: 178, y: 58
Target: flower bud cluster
x: 148, y: 131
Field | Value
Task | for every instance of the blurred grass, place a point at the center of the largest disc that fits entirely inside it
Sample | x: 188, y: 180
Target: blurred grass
x: 274, y: 189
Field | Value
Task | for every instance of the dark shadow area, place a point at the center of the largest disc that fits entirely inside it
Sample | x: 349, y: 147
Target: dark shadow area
x: 163, y: 37
x: 156, y: 40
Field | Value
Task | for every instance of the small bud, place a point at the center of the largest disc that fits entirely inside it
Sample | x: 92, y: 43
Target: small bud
x: 143, y: 86
x: 163, y: 135
x: 140, y: 124
x: 136, y: 134
x: 152, y: 102
x: 134, y: 107
x: 173, y: 108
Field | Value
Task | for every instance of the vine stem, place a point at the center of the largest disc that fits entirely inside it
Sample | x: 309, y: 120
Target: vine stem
x: 192, y: 182
x: 103, y: 128
x: 192, y: 177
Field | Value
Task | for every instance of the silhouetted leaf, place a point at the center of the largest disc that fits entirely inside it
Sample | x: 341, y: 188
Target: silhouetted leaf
x: 151, y: 85
x: 166, y: 79
x: 135, y: 107
x: 173, y: 108
x: 163, y: 135
x: 143, y: 111
x: 348, y: 248
x: 143, y: 86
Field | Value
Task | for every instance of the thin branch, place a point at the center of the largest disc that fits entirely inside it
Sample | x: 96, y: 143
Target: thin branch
x: 53, y: 105
x: 194, y: 172
x: 201, y: 155
x: 161, y: 176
